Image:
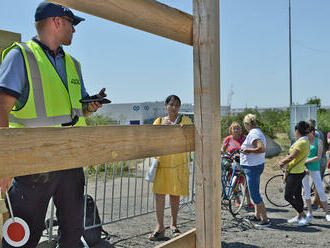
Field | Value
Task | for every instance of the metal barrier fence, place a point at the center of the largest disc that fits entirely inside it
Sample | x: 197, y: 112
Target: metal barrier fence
x: 120, y: 192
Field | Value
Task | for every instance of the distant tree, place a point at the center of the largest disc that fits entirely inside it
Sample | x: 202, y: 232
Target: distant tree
x: 314, y: 100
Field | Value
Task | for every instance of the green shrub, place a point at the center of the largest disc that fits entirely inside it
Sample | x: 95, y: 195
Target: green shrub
x: 99, y: 120
x: 128, y: 168
x: 271, y: 121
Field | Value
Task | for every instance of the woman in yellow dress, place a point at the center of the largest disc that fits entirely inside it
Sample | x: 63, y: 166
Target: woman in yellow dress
x: 172, y: 176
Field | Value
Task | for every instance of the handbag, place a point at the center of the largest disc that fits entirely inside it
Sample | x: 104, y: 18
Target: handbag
x: 151, y: 172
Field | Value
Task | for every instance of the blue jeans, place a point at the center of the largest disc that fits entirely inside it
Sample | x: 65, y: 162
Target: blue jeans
x: 253, y: 174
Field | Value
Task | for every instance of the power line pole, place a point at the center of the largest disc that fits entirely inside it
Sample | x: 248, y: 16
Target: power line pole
x: 290, y: 60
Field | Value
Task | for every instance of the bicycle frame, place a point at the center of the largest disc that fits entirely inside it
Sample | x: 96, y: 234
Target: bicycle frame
x: 225, y: 185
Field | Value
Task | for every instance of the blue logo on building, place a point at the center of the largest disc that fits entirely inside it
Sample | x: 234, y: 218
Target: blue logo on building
x: 136, y: 108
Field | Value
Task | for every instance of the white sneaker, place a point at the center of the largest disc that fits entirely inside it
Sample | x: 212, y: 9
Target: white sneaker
x: 309, y: 216
x: 293, y: 220
x: 302, y: 221
x: 327, y: 217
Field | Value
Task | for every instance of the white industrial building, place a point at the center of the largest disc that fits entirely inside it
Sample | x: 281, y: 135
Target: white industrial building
x: 143, y: 113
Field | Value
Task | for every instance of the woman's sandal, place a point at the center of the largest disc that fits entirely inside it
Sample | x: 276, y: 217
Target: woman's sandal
x: 157, y: 236
x: 175, y: 232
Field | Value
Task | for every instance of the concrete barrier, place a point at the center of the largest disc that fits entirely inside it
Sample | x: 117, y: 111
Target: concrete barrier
x: 272, y: 149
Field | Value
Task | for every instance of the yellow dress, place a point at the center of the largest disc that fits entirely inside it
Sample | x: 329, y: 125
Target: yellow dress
x: 172, y: 175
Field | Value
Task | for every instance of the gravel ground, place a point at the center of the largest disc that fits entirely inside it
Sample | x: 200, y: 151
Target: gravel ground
x: 236, y: 232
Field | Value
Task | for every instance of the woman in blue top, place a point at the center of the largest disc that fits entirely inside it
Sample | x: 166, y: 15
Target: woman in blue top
x: 313, y: 169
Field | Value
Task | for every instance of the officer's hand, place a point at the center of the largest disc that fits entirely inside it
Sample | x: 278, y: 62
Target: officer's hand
x: 4, y: 184
x: 93, y: 106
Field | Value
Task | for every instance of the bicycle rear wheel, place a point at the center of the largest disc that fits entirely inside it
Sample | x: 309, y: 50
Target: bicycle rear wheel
x: 274, y: 191
x: 237, y: 195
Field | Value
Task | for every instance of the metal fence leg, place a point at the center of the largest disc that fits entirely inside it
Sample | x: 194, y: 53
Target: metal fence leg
x: 51, y: 220
x: 84, y: 242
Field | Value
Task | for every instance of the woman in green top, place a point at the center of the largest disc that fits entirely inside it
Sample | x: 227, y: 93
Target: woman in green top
x: 313, y: 169
x: 296, y: 171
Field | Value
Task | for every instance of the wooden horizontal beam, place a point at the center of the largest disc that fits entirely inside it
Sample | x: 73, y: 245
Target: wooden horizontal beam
x: 27, y: 151
x: 186, y: 240
x: 146, y: 15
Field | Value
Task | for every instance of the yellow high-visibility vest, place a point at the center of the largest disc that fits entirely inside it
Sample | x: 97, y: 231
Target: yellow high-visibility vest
x: 49, y: 102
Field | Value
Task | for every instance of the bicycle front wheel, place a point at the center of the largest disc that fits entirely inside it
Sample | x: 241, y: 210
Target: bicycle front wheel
x: 274, y: 191
x: 237, y: 195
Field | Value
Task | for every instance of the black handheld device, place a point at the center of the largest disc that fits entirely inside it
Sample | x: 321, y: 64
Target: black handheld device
x: 100, y: 100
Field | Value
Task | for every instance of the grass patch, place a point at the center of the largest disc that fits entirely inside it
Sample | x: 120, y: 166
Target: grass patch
x: 283, y: 140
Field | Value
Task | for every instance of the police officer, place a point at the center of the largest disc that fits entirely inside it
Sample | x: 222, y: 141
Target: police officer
x: 41, y: 85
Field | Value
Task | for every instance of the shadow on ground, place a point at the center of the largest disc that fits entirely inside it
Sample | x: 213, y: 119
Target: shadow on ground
x: 278, y: 210
x: 103, y: 244
x: 237, y: 245
x: 52, y: 244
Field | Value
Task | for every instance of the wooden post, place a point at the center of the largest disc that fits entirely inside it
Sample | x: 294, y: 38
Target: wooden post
x: 4, y: 215
x: 207, y: 122
x: 7, y: 38
x: 147, y: 15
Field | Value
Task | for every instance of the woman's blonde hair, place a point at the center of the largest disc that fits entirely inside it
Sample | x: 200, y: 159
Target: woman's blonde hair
x: 234, y: 124
x: 251, y: 120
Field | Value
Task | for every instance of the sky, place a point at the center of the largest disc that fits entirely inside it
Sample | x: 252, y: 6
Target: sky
x: 135, y: 66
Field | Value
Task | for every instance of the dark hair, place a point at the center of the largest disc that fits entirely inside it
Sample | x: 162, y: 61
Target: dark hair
x: 169, y: 98
x: 303, y: 127
x: 312, y: 122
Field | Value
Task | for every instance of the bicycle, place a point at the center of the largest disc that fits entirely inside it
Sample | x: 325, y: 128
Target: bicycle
x: 275, y: 189
x: 233, y: 183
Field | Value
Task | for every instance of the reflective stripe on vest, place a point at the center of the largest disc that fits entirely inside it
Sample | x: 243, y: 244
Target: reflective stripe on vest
x: 40, y: 117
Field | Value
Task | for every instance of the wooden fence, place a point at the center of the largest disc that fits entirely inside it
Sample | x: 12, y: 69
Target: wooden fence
x: 33, y: 150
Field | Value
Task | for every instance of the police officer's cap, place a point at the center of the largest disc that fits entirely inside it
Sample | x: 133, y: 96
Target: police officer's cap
x: 47, y: 9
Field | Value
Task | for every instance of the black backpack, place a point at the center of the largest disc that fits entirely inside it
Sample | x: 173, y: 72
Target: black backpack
x: 94, y: 235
